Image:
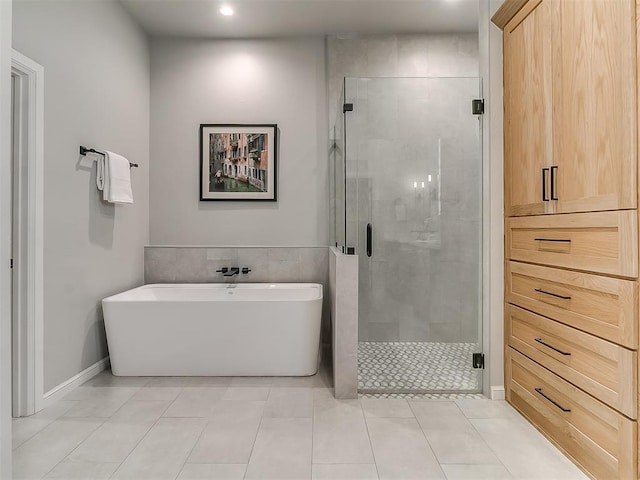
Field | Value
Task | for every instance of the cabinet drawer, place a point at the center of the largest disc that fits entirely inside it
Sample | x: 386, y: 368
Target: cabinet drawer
x: 595, y: 436
x: 603, y: 369
x: 603, y: 306
x: 603, y: 242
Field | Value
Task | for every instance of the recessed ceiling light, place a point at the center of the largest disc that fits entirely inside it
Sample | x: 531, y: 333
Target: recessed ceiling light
x: 226, y: 10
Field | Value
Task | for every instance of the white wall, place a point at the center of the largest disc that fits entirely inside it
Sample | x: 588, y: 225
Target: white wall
x: 239, y: 81
x: 96, y: 64
x: 5, y: 239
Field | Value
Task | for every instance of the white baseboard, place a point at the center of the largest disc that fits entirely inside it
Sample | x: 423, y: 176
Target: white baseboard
x: 64, y: 388
x: 497, y: 393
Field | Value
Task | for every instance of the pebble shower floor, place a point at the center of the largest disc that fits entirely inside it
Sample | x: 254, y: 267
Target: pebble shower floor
x: 416, y: 367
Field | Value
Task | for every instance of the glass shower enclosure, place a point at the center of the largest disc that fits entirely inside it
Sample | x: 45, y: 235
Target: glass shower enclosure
x: 407, y: 199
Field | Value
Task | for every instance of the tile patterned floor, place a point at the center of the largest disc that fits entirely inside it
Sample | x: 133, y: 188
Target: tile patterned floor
x: 416, y: 367
x: 274, y: 428
x: 428, y: 396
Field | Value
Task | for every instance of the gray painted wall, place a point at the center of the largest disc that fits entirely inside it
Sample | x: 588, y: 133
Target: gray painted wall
x: 239, y: 81
x: 5, y: 241
x: 96, y: 64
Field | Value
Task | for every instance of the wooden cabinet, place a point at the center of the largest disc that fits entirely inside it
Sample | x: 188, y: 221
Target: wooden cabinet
x: 571, y: 225
x: 603, y: 242
x: 596, y: 437
x: 594, y: 89
x: 569, y: 79
x: 527, y: 73
x: 605, y: 307
x: 598, y: 367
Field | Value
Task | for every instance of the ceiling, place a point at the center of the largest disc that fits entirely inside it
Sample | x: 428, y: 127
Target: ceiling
x: 285, y: 18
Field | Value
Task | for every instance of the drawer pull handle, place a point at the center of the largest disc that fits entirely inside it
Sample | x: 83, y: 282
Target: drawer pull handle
x: 539, y: 390
x: 539, y: 340
x: 563, y: 297
x: 552, y: 240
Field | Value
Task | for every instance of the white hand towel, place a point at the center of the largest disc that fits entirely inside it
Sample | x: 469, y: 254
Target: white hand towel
x: 117, y: 179
x: 100, y: 172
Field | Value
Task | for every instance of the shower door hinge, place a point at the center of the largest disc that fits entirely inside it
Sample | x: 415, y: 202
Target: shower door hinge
x: 478, y: 360
x: 477, y: 106
x: 347, y: 107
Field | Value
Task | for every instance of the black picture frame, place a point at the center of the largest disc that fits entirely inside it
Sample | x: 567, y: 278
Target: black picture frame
x: 238, y: 162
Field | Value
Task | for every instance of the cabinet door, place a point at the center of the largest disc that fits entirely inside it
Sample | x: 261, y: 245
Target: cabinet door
x: 527, y: 126
x: 594, y: 98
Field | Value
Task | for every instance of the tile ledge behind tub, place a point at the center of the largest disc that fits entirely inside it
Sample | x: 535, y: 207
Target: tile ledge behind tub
x: 237, y: 246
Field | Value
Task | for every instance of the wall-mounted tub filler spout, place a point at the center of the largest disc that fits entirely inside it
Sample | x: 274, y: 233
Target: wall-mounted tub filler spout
x: 229, y: 272
x: 232, y: 271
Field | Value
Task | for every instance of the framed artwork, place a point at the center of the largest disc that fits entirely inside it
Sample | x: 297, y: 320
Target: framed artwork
x: 238, y: 162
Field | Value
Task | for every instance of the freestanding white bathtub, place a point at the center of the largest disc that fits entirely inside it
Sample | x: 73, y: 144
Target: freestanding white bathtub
x: 250, y: 329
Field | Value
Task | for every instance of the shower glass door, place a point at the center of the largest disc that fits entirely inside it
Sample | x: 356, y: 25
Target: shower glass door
x: 414, y: 212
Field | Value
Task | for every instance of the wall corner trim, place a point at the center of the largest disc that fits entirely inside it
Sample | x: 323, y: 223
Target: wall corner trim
x: 57, y: 393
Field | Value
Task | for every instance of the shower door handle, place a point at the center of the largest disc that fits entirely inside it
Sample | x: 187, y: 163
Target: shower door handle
x: 369, y: 240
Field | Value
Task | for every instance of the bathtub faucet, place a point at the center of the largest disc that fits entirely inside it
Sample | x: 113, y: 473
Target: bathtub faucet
x: 231, y: 271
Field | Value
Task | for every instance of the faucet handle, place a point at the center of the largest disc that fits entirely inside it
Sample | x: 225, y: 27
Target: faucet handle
x: 223, y: 270
x: 245, y: 270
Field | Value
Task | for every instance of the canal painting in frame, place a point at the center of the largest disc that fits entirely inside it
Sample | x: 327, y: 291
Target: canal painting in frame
x: 238, y: 162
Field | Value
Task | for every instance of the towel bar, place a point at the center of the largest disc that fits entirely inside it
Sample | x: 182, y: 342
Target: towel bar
x: 85, y: 150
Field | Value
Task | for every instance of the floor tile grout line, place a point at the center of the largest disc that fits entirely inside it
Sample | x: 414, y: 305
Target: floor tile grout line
x: 366, y: 424
x: 201, y: 433
x: 254, y: 441
x: 489, y: 445
x: 140, y: 441
x: 74, y: 448
x: 30, y: 436
x: 428, y: 442
x: 186, y: 458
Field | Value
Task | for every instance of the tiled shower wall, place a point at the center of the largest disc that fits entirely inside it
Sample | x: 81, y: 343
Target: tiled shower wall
x: 177, y: 264
x: 408, y: 55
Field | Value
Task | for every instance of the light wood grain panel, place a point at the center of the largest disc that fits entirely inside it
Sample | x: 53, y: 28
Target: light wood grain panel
x: 605, y: 370
x: 594, y: 87
x: 596, y: 437
x: 603, y: 306
x: 637, y: 73
x: 506, y: 12
x: 527, y: 93
x: 602, y: 242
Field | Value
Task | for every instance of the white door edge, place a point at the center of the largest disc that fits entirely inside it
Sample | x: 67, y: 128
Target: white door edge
x: 31, y: 77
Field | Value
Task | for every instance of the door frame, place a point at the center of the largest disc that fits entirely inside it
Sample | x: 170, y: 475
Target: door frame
x: 28, y: 322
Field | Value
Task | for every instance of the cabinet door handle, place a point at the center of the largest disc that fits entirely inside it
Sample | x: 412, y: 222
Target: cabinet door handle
x: 369, y: 240
x: 563, y: 297
x: 539, y: 390
x: 539, y: 340
x: 544, y: 185
x: 553, y: 183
